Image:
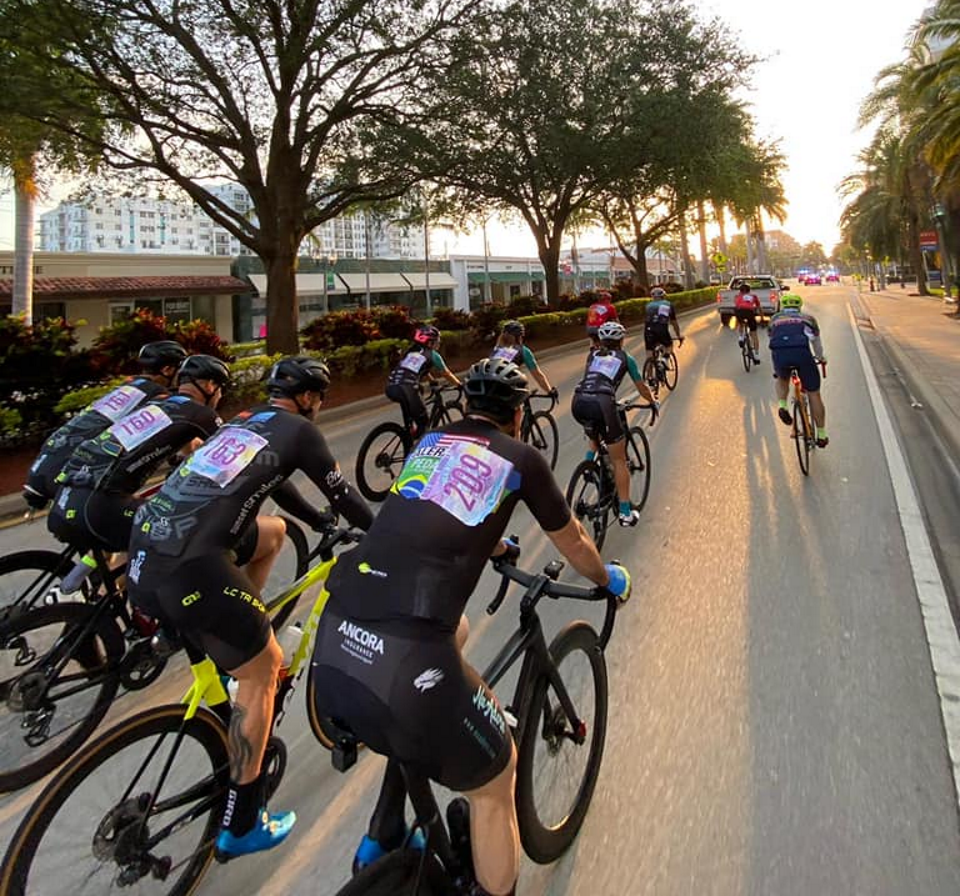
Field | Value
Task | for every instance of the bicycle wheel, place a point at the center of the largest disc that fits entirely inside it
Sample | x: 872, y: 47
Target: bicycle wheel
x: 671, y: 370
x: 380, y: 459
x: 403, y: 872
x: 638, y: 463
x: 587, y: 501
x: 650, y: 376
x: 293, y: 562
x: 32, y: 578
x: 453, y: 411
x: 559, y: 757
x: 746, y: 354
x: 45, y: 715
x: 800, y: 438
x: 102, y: 825
x: 544, y: 435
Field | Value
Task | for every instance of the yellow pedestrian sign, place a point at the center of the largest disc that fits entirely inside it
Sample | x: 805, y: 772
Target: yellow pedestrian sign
x: 719, y: 260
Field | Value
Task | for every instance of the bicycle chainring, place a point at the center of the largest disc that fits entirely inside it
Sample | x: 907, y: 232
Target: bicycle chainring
x: 274, y: 765
x: 142, y: 665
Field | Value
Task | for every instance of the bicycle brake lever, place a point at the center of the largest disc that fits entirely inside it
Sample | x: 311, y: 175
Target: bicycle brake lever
x: 498, y: 599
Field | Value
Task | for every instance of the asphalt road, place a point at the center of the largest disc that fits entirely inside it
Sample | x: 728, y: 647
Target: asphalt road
x: 774, y: 724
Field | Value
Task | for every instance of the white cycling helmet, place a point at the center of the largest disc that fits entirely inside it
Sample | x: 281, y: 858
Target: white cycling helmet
x: 658, y: 292
x: 612, y: 331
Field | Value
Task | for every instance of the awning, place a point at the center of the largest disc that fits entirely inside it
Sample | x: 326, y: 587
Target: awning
x: 505, y: 276
x: 438, y: 280
x: 130, y: 287
x: 307, y: 285
x: 357, y: 283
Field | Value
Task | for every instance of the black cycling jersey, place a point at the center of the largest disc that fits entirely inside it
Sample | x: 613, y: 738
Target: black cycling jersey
x: 659, y: 312
x: 447, y: 509
x: 208, y: 502
x: 415, y: 365
x: 605, y: 370
x: 88, y: 424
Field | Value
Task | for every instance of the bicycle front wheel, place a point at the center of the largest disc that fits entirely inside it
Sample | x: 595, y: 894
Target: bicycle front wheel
x: 801, y: 437
x: 49, y: 707
x: 111, y: 820
x: 587, y: 501
x: 380, y: 459
x: 559, y: 755
x: 671, y: 370
x: 293, y: 562
x: 543, y: 435
x: 638, y: 463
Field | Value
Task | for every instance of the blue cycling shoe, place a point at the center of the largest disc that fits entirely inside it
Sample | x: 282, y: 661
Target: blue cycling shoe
x: 269, y: 831
x: 370, y: 850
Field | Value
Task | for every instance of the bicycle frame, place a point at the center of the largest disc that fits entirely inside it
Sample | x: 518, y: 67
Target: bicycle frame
x: 802, y: 402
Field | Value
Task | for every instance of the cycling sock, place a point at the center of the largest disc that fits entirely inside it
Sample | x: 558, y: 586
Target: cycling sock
x: 783, y: 403
x: 625, y: 508
x: 243, y: 807
x: 821, y: 432
x: 591, y: 455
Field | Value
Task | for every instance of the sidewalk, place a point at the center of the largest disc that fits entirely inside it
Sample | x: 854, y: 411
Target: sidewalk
x: 924, y: 341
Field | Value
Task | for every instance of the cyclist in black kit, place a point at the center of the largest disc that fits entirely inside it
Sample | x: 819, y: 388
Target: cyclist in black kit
x: 159, y: 361
x: 388, y: 660
x: 421, y: 362
x: 96, y: 502
x: 188, y: 539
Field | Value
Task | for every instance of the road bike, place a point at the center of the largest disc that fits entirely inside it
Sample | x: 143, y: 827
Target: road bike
x: 141, y: 805
x: 64, y: 657
x: 804, y: 431
x: 592, y: 492
x: 558, y: 718
x: 384, y: 451
x: 746, y: 349
x: 661, y: 368
x: 539, y: 428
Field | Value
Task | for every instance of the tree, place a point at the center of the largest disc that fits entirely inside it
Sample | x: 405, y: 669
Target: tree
x: 298, y: 102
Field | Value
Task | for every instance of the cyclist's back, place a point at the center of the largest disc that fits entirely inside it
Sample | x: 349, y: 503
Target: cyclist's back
x: 421, y: 362
x: 659, y: 317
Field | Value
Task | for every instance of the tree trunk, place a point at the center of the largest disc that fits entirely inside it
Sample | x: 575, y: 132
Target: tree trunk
x: 549, y: 252
x: 685, y: 254
x: 283, y: 305
x: 702, y: 227
x: 722, y: 224
x: 25, y: 189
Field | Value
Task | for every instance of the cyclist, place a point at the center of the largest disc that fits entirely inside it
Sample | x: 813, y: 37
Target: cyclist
x: 403, y: 384
x: 595, y: 407
x: 747, y: 307
x: 791, y: 334
x: 599, y: 313
x: 659, y: 317
x: 96, y: 502
x: 186, y: 545
x: 388, y: 661
x: 510, y: 346
x: 159, y: 362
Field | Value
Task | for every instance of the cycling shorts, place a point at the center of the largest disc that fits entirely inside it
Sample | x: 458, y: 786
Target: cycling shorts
x: 411, y: 404
x: 403, y: 688
x: 657, y: 334
x: 598, y: 415
x: 209, y: 599
x: 85, y: 518
x: 749, y: 317
x: 802, y: 360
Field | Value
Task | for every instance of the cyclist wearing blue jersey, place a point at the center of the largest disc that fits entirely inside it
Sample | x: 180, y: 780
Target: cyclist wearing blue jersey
x: 510, y: 346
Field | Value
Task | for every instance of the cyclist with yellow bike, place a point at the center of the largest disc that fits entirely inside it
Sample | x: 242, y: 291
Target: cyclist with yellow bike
x: 187, y: 540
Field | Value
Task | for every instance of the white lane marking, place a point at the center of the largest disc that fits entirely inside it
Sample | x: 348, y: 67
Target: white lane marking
x: 937, y: 620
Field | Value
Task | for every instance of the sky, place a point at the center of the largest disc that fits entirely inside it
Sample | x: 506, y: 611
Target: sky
x: 820, y: 58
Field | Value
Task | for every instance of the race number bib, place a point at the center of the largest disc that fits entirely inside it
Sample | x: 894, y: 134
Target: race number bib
x: 136, y: 428
x: 227, y: 454
x: 663, y: 311
x: 413, y: 362
x: 605, y: 365
x: 118, y: 403
x: 469, y: 482
x: 506, y: 352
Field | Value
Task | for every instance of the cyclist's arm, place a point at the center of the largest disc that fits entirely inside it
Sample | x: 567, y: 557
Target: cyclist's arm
x: 318, y: 463
x: 288, y: 498
x: 634, y: 370
x: 531, y: 364
x: 813, y: 334
x: 573, y: 542
x: 674, y: 322
x: 441, y: 367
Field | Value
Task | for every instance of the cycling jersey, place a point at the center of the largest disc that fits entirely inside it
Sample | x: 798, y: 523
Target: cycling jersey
x: 517, y: 354
x: 746, y: 302
x: 791, y: 328
x: 659, y: 312
x: 600, y: 313
x: 605, y: 370
x: 415, y: 365
x: 87, y: 424
x: 445, y: 513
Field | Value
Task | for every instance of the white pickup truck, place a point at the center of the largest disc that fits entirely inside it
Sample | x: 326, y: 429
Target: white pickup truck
x: 765, y: 287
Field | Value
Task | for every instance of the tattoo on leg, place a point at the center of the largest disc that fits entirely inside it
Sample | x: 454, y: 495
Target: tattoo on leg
x: 240, y: 748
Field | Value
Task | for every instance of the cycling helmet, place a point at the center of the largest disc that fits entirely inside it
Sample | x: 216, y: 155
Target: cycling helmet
x: 154, y: 356
x: 291, y: 376
x: 426, y: 334
x: 791, y: 300
x: 658, y: 292
x: 744, y: 287
x: 495, y: 386
x: 611, y: 331
x: 514, y: 328
x: 204, y: 367
x: 604, y: 296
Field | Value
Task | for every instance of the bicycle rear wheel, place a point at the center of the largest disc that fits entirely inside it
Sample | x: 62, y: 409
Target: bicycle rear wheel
x: 638, y: 463
x: 559, y: 757
x: 650, y: 376
x: 542, y: 434
x: 587, y: 501
x: 746, y: 354
x: 45, y: 715
x: 380, y: 459
x: 32, y: 578
x: 801, y: 437
x: 403, y: 872
x: 671, y: 370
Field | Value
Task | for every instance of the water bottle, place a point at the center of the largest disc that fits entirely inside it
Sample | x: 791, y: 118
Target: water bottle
x: 75, y: 578
x: 289, y: 641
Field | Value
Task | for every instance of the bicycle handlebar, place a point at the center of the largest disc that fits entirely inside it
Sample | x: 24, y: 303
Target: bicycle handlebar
x: 544, y: 396
x: 333, y: 535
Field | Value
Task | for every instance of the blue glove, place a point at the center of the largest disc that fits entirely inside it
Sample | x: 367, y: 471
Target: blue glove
x: 619, y: 584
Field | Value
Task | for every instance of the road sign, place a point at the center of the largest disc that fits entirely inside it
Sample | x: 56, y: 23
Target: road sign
x: 719, y: 259
x: 928, y: 239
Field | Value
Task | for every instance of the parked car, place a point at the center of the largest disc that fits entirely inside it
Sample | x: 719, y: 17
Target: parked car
x: 812, y: 280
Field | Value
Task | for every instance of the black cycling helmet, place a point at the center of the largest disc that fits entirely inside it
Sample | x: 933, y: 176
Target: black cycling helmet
x: 154, y: 356
x: 495, y: 386
x: 513, y: 328
x: 744, y: 287
x: 204, y: 367
x: 294, y: 375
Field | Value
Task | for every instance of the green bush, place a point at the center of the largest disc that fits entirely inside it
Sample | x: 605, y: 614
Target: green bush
x: 449, y: 319
x: 521, y: 306
x: 339, y: 329
x: 393, y: 321
x: 11, y: 421
x: 485, y: 321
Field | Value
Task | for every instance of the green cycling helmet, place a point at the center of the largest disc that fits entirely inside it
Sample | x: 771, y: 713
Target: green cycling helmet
x: 791, y: 300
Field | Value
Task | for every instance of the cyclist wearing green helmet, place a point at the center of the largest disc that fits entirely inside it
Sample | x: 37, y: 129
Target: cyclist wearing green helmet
x: 792, y: 332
